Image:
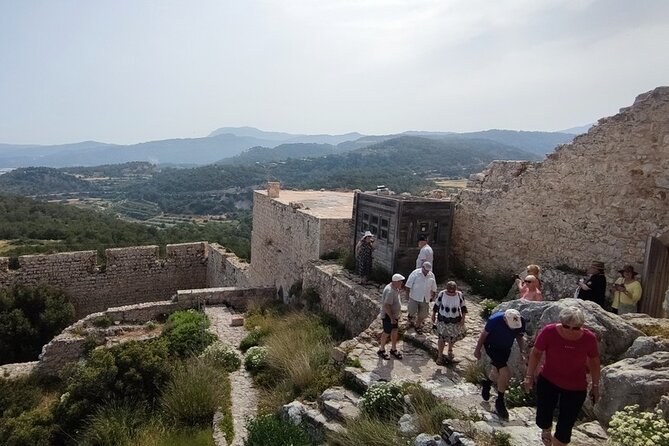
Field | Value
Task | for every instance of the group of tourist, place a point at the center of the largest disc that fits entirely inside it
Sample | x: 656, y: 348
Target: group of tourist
x: 563, y: 355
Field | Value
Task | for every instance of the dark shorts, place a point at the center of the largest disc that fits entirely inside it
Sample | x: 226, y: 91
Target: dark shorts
x: 387, y: 326
x: 568, y: 403
x: 498, y: 356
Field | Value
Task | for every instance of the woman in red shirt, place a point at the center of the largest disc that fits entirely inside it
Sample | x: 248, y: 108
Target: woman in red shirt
x: 571, y: 351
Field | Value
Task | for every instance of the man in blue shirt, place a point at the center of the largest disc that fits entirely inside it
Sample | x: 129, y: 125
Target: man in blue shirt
x: 497, y: 337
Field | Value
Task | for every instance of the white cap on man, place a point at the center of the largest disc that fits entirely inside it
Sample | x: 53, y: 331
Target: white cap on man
x: 427, y: 266
x: 397, y: 277
x: 513, y: 319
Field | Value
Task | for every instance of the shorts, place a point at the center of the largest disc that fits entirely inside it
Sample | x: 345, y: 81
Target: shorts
x: 387, y: 325
x: 498, y: 356
x: 418, y: 308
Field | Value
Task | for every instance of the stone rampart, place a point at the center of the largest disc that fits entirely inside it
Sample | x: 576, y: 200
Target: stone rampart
x: 69, y: 345
x: 599, y: 197
x: 287, y: 236
x: 225, y: 269
x: 353, y: 306
x: 130, y: 275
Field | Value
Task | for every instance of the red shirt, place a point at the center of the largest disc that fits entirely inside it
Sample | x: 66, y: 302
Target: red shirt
x: 565, y: 364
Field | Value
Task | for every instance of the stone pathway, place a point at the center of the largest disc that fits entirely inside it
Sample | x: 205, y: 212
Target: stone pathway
x: 243, y: 394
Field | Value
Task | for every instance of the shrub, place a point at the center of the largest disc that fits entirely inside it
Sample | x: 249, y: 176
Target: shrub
x: 270, y: 430
x: 630, y: 427
x: 102, y: 321
x: 348, y: 261
x: 311, y: 298
x: 380, y: 275
x: 255, y: 359
x: 193, y: 394
x: 428, y: 409
x: 34, y: 428
x: 383, y: 400
x: 252, y: 339
x: 29, y: 318
x: 113, y: 425
x: 490, y: 286
x: 501, y: 438
x: 222, y: 355
x: 474, y: 372
x: 516, y: 396
x: 367, y: 431
x: 186, y: 333
x: 17, y: 396
x: 487, y: 307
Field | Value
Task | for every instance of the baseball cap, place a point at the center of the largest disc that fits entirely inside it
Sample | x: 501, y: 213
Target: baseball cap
x: 513, y: 319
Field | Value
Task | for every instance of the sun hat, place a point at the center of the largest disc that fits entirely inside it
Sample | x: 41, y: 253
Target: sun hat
x: 367, y: 234
x: 513, y: 319
x: 397, y: 277
x: 597, y: 264
x: 629, y: 269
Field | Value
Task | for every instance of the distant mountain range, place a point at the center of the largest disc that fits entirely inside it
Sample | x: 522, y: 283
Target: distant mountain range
x: 235, y: 145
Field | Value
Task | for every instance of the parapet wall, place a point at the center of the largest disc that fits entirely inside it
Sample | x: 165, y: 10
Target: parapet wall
x: 351, y: 305
x: 225, y: 269
x: 131, y: 275
x: 599, y: 197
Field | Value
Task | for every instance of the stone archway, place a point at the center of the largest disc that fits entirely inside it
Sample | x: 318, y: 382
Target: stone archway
x: 655, y: 279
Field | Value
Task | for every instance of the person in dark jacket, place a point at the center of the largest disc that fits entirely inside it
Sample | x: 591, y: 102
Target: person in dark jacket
x: 592, y: 287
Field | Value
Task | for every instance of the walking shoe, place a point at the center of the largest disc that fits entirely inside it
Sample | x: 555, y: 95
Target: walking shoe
x: 500, y: 407
x: 485, y: 389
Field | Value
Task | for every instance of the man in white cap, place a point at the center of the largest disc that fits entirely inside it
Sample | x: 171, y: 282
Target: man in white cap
x: 497, y: 337
x: 422, y: 288
x: 390, y: 315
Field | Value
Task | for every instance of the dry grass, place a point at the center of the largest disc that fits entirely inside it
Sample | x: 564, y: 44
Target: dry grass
x: 367, y: 431
x: 458, y: 184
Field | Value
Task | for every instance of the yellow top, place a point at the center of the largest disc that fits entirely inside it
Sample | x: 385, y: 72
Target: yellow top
x: 633, y: 288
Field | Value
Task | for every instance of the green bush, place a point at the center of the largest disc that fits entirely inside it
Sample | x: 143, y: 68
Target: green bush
x: 489, y: 286
x: 252, y: 339
x: 102, y: 321
x: 29, y: 318
x: 255, y: 359
x: 17, y: 396
x: 34, y: 428
x: 186, y: 333
x: 631, y: 427
x: 516, y: 396
x: 383, y: 400
x: 222, y: 355
x: 270, y: 430
x: 113, y: 425
x: 196, y: 389
x: 487, y: 307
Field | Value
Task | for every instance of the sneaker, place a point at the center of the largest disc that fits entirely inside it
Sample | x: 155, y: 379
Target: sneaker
x: 500, y: 407
x: 485, y: 389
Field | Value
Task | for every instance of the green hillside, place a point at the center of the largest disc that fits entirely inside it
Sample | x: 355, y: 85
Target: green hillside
x: 39, y: 180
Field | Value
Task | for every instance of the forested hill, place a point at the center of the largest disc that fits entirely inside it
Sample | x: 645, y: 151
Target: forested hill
x: 42, y: 180
x: 280, y: 153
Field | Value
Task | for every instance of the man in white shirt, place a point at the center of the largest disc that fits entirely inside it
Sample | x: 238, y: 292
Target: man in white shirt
x: 426, y: 254
x: 422, y: 288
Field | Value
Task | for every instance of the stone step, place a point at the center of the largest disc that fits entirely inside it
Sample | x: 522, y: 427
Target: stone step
x: 340, y: 404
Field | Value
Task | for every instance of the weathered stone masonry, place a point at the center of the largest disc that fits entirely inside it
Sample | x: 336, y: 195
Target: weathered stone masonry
x: 132, y: 275
x: 600, y: 197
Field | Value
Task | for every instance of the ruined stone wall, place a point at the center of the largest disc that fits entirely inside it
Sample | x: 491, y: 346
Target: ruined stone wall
x: 351, y: 305
x: 225, y: 269
x: 285, y: 239
x: 599, y: 197
x: 131, y: 275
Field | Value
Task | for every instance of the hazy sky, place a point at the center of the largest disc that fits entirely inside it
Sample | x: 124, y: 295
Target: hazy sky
x: 127, y: 71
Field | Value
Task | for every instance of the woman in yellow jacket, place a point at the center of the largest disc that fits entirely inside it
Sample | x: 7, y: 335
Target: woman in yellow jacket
x: 626, y: 291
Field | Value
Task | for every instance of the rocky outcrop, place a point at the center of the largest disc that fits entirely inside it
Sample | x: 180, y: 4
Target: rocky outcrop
x: 645, y: 345
x: 640, y: 381
x: 615, y: 335
x: 555, y: 284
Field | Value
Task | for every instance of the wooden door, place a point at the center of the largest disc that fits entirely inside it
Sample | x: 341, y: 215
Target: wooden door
x: 655, y: 277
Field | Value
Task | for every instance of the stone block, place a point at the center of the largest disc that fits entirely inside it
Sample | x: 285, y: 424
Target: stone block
x: 237, y: 321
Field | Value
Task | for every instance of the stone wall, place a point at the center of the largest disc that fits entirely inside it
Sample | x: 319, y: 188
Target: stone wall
x: 599, y: 197
x: 286, y: 237
x: 353, y: 306
x: 131, y: 275
x: 68, y: 346
x: 225, y: 269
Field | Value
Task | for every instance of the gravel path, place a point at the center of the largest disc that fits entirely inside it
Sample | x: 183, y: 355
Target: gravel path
x: 243, y: 394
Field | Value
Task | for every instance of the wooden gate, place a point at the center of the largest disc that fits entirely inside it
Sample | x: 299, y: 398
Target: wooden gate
x: 655, y: 277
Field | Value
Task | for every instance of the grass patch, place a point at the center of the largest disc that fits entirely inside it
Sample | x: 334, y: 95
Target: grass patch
x: 474, y: 372
x: 367, y: 431
x: 487, y: 307
x: 516, y: 396
x: 429, y: 410
x: 271, y: 430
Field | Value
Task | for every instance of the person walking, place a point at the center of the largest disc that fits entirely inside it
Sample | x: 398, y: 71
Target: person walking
x: 449, y: 311
x: 626, y: 291
x: 497, y: 337
x: 425, y: 254
x: 571, y: 351
x: 592, y: 287
x: 390, y: 315
x: 422, y: 288
x: 363, y: 256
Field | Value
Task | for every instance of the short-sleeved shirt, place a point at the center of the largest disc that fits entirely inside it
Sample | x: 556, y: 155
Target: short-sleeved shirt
x: 421, y: 286
x: 450, y: 308
x: 499, y: 333
x: 425, y: 255
x: 390, y: 296
x: 565, y: 364
x: 634, y: 288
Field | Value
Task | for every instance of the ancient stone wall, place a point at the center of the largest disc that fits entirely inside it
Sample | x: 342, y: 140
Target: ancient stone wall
x: 130, y: 275
x: 285, y: 238
x: 599, y: 197
x: 351, y: 305
x: 225, y: 269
